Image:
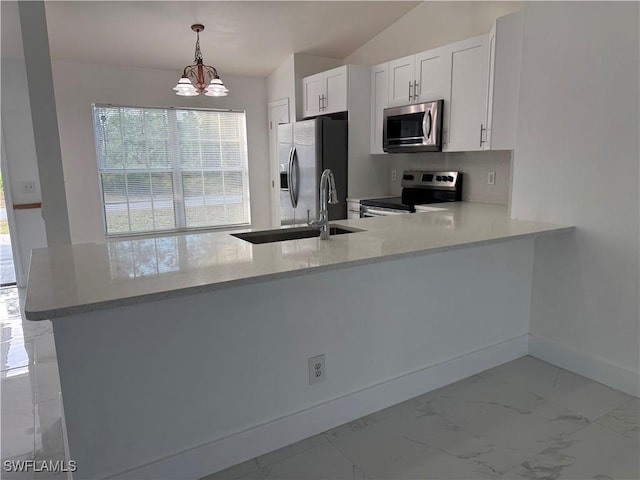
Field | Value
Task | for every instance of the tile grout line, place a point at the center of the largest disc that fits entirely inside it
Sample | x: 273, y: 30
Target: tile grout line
x: 354, y: 463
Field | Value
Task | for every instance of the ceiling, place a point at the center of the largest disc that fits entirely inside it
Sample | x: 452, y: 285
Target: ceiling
x: 242, y: 38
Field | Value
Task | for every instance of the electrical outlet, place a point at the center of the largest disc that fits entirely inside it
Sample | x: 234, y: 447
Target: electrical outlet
x: 393, y: 175
x: 316, y: 369
x: 491, y: 178
x: 29, y: 186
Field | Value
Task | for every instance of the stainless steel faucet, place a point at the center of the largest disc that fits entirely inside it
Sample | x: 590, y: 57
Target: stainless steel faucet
x: 328, y: 195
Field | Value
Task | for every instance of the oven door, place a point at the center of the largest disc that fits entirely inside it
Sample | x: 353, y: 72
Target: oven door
x: 370, y: 212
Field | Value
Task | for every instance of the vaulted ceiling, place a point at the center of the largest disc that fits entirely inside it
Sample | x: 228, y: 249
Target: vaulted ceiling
x: 243, y: 38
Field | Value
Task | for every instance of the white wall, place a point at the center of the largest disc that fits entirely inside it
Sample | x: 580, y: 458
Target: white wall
x: 430, y: 25
x: 78, y: 85
x: 576, y: 163
x: 281, y: 84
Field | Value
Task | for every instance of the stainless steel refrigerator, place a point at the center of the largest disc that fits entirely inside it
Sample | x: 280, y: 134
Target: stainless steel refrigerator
x: 305, y: 149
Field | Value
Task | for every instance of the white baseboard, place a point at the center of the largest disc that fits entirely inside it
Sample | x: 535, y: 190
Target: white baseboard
x: 595, y: 368
x: 260, y: 439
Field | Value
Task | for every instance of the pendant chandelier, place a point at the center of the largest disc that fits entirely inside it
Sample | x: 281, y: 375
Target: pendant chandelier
x: 198, y: 79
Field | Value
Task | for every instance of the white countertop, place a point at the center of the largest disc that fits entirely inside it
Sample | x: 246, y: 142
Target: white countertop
x: 86, y: 277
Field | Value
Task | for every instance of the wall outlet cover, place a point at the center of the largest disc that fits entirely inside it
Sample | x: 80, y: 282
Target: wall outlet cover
x: 316, y: 369
x: 491, y: 178
x: 29, y: 186
x: 393, y: 175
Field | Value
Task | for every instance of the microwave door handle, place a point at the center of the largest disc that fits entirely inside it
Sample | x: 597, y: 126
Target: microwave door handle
x: 427, y: 124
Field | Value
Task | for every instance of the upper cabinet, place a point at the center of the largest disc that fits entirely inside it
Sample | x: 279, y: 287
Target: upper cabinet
x: 477, y: 78
x: 325, y: 92
x: 482, y: 112
x: 379, y: 101
x: 505, y: 50
x: 465, y: 119
x: 418, y: 78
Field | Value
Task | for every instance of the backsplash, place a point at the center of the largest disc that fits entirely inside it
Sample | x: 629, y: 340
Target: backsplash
x: 474, y: 165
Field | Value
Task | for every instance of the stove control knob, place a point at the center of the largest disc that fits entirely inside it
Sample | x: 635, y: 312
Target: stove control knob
x: 407, y: 177
x: 450, y: 178
x: 438, y: 178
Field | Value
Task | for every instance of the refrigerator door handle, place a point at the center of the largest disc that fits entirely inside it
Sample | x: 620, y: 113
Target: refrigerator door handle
x: 293, y: 184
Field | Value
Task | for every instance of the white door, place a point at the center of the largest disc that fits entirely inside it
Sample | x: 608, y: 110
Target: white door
x: 278, y: 114
x: 468, y: 98
x: 431, y: 69
x: 335, y: 86
x: 401, y: 77
x: 312, y: 91
x: 379, y: 101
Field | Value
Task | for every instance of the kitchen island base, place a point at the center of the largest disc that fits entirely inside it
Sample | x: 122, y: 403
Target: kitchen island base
x: 185, y: 386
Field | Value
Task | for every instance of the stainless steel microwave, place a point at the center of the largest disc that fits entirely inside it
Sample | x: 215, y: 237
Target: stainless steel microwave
x: 413, y: 128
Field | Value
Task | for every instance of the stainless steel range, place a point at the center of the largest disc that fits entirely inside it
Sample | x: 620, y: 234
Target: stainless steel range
x: 418, y: 188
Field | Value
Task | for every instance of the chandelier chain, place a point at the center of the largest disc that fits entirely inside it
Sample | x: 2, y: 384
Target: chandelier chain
x: 198, y: 55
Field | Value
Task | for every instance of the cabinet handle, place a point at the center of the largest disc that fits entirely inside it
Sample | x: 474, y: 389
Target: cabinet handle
x: 319, y: 102
x: 410, y: 96
x: 324, y: 103
x: 415, y: 90
x: 482, y: 129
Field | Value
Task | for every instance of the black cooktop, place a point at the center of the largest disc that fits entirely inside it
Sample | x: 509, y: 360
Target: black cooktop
x: 395, y: 203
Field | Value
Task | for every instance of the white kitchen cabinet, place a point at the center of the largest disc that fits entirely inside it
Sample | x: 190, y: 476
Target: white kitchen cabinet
x: 505, y: 51
x: 401, y: 78
x: 431, y: 76
x: 482, y: 111
x: 325, y: 92
x: 418, y: 78
x: 353, y: 209
x: 465, y: 119
x: 312, y: 91
x: 379, y: 101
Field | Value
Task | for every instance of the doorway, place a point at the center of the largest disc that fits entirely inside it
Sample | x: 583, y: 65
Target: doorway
x: 7, y: 269
x: 8, y: 260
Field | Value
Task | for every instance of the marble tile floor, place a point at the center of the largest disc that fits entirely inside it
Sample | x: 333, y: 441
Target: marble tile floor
x: 526, y: 419
x: 30, y: 404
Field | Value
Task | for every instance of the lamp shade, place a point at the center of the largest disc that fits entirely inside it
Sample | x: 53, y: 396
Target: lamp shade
x: 216, y: 88
x: 185, y: 88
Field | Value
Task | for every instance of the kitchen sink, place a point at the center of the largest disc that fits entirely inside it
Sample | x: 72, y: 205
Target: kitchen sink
x: 283, y: 234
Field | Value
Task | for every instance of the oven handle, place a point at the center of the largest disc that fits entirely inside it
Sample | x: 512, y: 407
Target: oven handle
x: 372, y: 212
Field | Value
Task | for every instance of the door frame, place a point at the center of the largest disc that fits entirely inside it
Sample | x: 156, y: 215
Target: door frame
x: 274, y: 167
x: 8, y: 200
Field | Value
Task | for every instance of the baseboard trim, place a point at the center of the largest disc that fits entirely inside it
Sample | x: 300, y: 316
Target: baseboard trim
x: 595, y: 368
x: 260, y: 439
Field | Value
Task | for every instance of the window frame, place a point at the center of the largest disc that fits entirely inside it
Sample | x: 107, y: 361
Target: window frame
x: 176, y: 172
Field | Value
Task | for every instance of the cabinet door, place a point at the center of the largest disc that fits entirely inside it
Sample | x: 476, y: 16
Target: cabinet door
x: 335, y: 90
x: 491, y: 66
x: 401, y: 77
x: 312, y: 90
x: 379, y: 101
x: 431, y: 75
x: 466, y: 122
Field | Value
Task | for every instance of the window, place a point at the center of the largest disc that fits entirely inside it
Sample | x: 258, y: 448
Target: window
x: 165, y: 169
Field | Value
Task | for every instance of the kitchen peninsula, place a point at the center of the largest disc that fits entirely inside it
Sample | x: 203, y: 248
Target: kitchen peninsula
x: 185, y: 354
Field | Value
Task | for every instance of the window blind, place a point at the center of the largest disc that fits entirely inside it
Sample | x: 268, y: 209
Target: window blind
x: 171, y: 169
